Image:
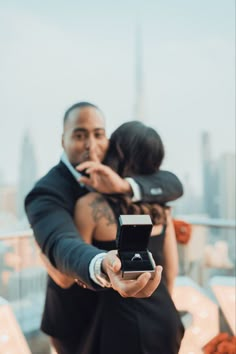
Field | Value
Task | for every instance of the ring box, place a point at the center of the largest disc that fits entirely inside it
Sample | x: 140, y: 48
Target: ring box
x: 132, y: 243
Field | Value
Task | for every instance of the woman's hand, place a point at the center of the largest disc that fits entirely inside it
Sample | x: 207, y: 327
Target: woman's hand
x: 62, y: 280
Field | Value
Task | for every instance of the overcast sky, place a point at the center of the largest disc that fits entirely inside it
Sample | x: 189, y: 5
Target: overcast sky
x: 55, y: 53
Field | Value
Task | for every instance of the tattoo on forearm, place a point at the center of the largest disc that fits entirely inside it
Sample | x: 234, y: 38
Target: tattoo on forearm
x: 101, y: 209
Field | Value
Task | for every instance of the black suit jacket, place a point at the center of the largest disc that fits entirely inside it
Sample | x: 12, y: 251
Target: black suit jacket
x: 50, y: 209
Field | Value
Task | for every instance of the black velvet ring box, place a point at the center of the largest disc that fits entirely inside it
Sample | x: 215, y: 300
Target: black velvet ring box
x: 132, y: 243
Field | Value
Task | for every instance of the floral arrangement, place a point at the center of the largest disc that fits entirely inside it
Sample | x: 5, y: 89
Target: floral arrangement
x: 223, y: 343
x: 182, y: 231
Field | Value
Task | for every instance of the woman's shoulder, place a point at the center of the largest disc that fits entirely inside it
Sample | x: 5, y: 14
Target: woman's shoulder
x: 91, y: 197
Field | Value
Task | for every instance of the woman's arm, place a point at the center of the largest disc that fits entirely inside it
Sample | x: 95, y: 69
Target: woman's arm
x: 170, y: 254
x: 83, y: 217
x: 62, y: 280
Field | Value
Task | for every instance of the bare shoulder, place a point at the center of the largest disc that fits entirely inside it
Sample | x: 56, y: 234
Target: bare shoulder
x: 97, y: 207
x: 87, y: 198
x: 101, y: 209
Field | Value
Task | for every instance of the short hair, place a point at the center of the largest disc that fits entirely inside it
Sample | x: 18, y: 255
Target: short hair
x: 78, y: 105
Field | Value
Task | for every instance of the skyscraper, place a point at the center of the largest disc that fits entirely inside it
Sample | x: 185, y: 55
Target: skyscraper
x: 139, y: 87
x: 210, y: 179
x: 27, y: 172
x: 1, y: 177
x: 8, y: 200
x: 226, y: 171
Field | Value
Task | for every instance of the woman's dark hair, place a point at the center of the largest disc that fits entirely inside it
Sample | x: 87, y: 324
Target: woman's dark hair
x: 136, y: 149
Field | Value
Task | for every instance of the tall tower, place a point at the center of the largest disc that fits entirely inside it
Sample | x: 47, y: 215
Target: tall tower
x: 210, y: 179
x: 226, y: 168
x: 27, y: 172
x: 1, y: 177
x: 206, y: 170
x: 139, y: 88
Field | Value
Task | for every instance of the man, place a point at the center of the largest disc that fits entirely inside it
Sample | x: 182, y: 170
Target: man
x: 50, y: 207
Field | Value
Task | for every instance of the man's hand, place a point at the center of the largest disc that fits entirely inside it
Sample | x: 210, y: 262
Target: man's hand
x: 103, y: 179
x: 142, y: 287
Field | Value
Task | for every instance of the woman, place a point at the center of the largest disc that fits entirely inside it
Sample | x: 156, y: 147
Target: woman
x: 129, y: 325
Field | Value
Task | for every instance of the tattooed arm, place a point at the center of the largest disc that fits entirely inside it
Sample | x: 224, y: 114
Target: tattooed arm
x: 94, y: 218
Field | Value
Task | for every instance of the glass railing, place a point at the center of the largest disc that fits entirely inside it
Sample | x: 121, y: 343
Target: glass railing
x: 205, y: 287
x: 211, y: 250
x: 22, y: 286
x: 22, y: 278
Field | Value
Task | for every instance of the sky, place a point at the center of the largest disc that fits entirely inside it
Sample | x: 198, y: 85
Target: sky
x: 56, y: 53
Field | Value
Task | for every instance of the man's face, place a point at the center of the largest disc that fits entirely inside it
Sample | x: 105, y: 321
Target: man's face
x: 84, y: 137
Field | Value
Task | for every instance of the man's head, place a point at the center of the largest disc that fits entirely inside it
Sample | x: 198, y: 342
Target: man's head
x: 84, y: 136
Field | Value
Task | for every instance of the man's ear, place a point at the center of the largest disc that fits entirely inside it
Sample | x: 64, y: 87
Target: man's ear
x: 62, y: 140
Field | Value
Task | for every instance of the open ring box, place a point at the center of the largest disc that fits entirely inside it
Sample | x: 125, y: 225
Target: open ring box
x: 132, y: 243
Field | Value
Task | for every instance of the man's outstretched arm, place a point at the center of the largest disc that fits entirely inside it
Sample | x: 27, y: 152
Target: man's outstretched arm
x: 58, y: 238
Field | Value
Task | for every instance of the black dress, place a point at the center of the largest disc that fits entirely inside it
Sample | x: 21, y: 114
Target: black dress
x: 137, y: 326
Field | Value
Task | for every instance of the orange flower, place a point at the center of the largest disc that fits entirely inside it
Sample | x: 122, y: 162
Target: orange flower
x: 182, y: 230
x: 223, y: 343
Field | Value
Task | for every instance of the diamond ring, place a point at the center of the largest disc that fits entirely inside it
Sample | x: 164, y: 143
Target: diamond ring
x: 137, y: 257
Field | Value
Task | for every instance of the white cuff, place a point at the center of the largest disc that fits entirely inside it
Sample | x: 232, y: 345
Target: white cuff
x: 95, y: 271
x: 135, y: 188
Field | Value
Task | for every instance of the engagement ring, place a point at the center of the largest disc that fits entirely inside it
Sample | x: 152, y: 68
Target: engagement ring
x: 137, y: 257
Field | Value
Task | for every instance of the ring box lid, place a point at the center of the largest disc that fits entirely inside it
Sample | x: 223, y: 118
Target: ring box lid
x: 133, y: 233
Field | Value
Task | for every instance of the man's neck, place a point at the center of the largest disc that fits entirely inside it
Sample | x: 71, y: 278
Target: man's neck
x: 71, y: 168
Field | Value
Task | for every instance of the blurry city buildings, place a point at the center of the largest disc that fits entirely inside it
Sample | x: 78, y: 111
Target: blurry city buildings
x: 218, y: 182
x: 217, y: 199
x: 12, y: 214
x: 27, y: 173
x: 139, y: 110
x: 226, y: 186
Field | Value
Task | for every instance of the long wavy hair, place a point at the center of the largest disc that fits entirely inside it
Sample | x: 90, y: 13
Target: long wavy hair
x: 136, y: 149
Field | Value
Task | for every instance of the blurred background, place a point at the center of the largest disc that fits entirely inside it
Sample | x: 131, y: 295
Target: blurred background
x: 168, y: 63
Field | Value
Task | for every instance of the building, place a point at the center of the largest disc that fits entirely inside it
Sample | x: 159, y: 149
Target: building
x: 210, y: 178
x: 226, y: 178
x: 27, y: 173
x: 8, y: 200
x: 139, y: 111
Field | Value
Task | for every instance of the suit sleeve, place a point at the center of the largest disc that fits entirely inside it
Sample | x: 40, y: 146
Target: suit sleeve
x: 161, y: 187
x: 57, y: 236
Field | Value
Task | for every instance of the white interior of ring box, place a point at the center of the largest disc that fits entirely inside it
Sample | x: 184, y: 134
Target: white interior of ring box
x: 132, y: 242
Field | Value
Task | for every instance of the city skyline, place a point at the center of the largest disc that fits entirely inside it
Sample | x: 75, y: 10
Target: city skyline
x: 216, y: 199
x: 55, y: 58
